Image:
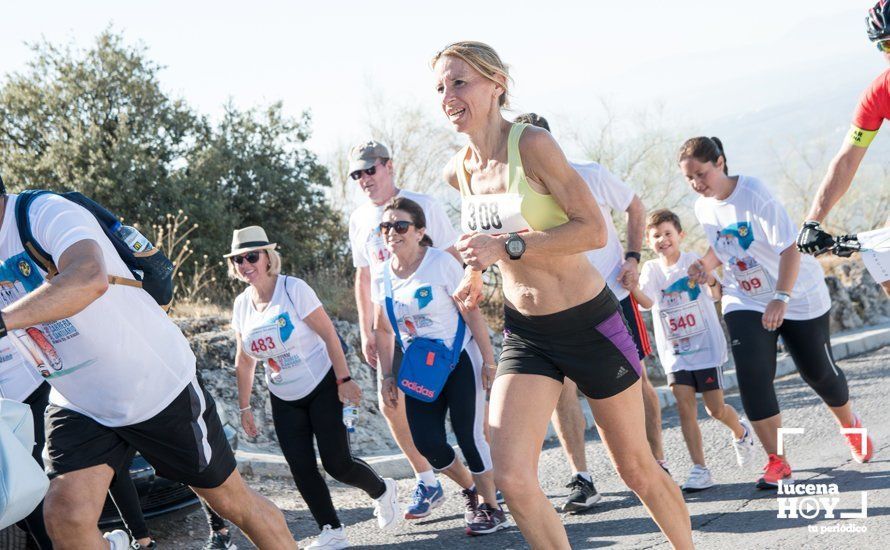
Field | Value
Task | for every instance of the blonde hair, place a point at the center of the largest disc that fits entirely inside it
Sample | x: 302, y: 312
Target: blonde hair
x: 273, y: 270
x: 483, y: 59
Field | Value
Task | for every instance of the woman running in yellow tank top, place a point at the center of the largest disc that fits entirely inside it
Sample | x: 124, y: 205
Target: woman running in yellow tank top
x: 524, y: 208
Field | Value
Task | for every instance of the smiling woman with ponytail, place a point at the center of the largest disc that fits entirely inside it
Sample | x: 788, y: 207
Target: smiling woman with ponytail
x: 769, y: 291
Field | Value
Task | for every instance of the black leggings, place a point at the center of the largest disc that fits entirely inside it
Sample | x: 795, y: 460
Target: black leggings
x: 754, y: 350
x: 33, y: 523
x: 126, y: 499
x: 463, y: 399
x: 320, y: 414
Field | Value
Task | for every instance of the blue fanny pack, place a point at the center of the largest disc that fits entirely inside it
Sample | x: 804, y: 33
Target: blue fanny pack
x: 426, y: 363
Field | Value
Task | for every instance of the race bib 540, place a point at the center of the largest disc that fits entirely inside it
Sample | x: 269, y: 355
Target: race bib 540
x: 683, y: 321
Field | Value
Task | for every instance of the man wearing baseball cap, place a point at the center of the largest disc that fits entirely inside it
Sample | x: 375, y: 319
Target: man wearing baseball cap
x: 370, y: 165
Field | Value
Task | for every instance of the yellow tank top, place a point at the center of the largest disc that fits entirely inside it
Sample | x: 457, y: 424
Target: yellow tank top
x: 541, y: 211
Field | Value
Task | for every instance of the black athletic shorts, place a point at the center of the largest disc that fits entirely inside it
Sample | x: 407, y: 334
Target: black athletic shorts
x: 184, y: 442
x: 637, y: 326
x: 701, y: 380
x: 590, y: 343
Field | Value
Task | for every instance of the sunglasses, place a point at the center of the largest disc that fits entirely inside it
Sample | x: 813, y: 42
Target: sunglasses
x: 368, y: 172
x: 400, y: 226
x: 251, y: 257
x: 883, y: 46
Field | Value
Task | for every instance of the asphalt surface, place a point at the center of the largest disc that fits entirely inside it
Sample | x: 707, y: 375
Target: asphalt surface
x: 733, y: 514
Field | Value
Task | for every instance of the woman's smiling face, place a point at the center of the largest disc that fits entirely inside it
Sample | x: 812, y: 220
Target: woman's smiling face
x: 466, y: 96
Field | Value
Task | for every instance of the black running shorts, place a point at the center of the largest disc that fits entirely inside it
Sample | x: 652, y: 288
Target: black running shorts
x: 701, y: 380
x: 589, y: 343
x: 185, y: 442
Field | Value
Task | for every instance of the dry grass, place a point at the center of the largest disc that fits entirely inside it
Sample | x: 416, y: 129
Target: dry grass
x: 336, y: 292
x: 186, y: 309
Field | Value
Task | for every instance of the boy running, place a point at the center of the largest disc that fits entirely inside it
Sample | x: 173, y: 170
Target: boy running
x: 690, y: 342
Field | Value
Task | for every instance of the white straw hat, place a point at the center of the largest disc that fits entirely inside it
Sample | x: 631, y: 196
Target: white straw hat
x: 250, y: 238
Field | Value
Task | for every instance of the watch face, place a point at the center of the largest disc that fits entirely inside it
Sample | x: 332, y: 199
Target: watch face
x: 515, y: 246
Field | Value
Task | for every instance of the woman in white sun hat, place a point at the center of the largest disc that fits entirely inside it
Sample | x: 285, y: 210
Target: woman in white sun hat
x: 279, y: 320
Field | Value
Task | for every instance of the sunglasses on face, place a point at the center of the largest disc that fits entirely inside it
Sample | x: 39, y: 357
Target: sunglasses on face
x: 251, y: 257
x: 400, y: 226
x: 368, y: 172
x: 883, y: 46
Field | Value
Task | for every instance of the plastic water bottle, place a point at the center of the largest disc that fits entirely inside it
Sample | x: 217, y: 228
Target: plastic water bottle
x: 132, y: 237
x: 350, y: 417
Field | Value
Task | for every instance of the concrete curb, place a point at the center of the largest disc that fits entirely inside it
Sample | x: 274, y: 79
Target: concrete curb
x: 843, y: 345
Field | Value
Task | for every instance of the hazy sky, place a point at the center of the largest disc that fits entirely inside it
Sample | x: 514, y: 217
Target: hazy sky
x: 702, y: 59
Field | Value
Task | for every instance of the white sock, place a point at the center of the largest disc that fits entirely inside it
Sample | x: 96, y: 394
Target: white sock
x: 586, y: 476
x: 428, y: 478
x: 114, y: 545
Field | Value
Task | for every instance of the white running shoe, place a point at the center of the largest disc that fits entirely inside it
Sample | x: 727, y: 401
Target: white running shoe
x: 386, y: 508
x: 746, y: 447
x: 331, y: 539
x: 699, y: 479
x: 118, y: 539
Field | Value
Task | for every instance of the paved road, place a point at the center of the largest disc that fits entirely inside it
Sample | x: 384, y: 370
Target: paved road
x: 731, y: 515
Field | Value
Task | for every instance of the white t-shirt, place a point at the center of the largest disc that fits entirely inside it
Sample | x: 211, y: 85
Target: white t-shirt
x: 366, y: 241
x: 422, y: 302
x: 17, y: 379
x: 687, y: 331
x: 611, y: 194
x: 119, y: 361
x: 748, y: 231
x: 295, y: 356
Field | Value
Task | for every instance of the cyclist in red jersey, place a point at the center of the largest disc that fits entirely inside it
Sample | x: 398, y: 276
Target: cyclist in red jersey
x: 873, y: 108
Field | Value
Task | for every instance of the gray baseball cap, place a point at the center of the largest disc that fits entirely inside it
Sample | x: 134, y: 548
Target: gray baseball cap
x: 365, y: 155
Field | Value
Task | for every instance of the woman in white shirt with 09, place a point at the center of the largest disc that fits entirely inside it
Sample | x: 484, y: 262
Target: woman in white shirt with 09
x: 769, y: 291
x: 280, y: 321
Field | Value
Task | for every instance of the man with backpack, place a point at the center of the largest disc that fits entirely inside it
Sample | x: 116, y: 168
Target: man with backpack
x: 123, y: 376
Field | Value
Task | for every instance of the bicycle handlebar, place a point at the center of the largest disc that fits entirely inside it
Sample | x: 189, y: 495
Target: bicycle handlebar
x: 845, y: 246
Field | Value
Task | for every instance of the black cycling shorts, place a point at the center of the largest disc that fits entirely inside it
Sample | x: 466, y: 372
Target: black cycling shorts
x: 701, y: 380
x: 754, y: 349
x: 589, y: 343
x: 185, y: 442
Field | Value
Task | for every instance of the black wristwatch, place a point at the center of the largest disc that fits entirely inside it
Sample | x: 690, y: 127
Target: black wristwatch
x: 515, y: 246
x: 635, y: 255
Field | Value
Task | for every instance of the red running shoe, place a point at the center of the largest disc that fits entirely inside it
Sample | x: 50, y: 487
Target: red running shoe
x: 776, y: 470
x: 854, y: 440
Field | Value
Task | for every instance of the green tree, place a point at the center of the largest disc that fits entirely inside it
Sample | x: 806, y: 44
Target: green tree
x: 97, y: 121
x: 257, y: 168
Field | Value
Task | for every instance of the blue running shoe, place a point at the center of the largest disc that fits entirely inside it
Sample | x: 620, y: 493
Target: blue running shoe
x: 425, y: 500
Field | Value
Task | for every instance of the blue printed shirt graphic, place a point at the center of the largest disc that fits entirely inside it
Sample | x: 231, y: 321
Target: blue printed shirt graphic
x: 294, y: 356
x: 21, y: 268
x: 18, y: 277
x: 687, y: 332
x: 674, y: 294
x: 424, y: 296
x: 270, y: 341
x: 733, y: 243
x: 422, y: 302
